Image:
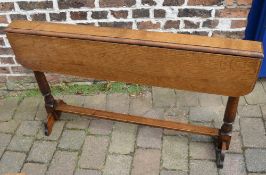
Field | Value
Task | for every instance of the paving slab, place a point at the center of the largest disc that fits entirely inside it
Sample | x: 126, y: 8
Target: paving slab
x: 87, y: 172
x: 256, y: 160
x: 84, y: 124
x: 170, y: 172
x: 199, y: 150
x: 63, y: 163
x: 203, y: 167
x: 7, y: 108
x: 139, y: 105
x: 123, y: 138
x: 11, y: 162
x: 42, y: 151
x: 72, y: 139
x: 56, y: 132
x: 118, y: 103
x: 94, y: 152
x: 101, y: 127
x: 95, y: 101
x: 146, y: 161
x: 27, y: 109
x: 5, y: 139
x: 186, y: 98
x: 253, y: 132
x: 236, y: 143
x: 34, y: 169
x: 206, y: 113
x: 41, y: 112
x: 249, y: 111
x: 233, y: 164
x: 9, y: 126
x: 20, y: 143
x: 117, y: 164
x: 257, y: 96
x: 210, y: 100
x: 163, y: 97
x: 149, y: 137
x: 175, y: 153
x: 29, y: 128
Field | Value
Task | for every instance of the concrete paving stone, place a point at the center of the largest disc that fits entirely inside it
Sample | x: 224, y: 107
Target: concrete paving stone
x: 94, y: 152
x: 5, y: 139
x: 139, y: 105
x: 257, y: 96
x: 27, y: 109
x: 56, y: 132
x: 87, y: 172
x: 249, y: 111
x: 206, y: 113
x: 253, y: 132
x: 63, y: 163
x: 163, y: 97
x: 201, y: 138
x: 101, y: 127
x: 7, y: 108
x: 169, y: 172
x: 210, y: 100
x: 2, y: 150
x: 175, y: 153
x: 256, y: 160
x: 34, y: 169
x: 41, y: 112
x: 75, y: 100
x: 118, y: 103
x: 84, y: 124
x: 186, y: 98
x: 146, y: 161
x: 263, y: 110
x: 203, y: 167
x: 233, y: 164
x: 236, y: 143
x: 9, y: 126
x: 11, y: 162
x: 20, y: 143
x: 149, y: 137
x: 156, y: 113
x: 42, y: 151
x: 117, y: 164
x: 256, y: 173
x: 199, y: 150
x: 242, y: 100
x: 95, y: 101
x: 72, y: 139
x: 236, y: 125
x: 29, y: 128
x: 123, y: 138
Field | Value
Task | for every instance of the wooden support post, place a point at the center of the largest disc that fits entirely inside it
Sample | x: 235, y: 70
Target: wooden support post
x: 225, y: 132
x: 49, y: 100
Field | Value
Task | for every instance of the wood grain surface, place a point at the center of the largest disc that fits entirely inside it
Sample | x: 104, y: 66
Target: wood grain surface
x: 188, y: 70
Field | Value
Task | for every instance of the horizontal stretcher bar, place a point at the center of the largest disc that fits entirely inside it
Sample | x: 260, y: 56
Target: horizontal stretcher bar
x: 203, y: 130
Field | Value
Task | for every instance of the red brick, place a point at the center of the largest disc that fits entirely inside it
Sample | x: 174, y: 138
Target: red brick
x: 3, y: 79
x: 148, y: 25
x: 20, y: 70
x: 65, y: 4
x: 99, y: 14
x: 3, y: 19
x: 6, y: 60
x: 38, y: 17
x: 6, y: 51
x: 244, y: 2
x: 194, y: 13
x: 148, y: 2
x: 2, y: 43
x: 233, y: 13
x: 201, y: 33
x: 210, y: 23
x: 205, y: 2
x: 191, y: 24
x: 117, y: 3
x: 2, y: 30
x: 229, y: 2
x: 18, y: 17
x: 141, y: 13
x: 159, y: 13
x: 238, y: 24
x: 24, y: 79
x: 127, y: 25
x: 173, y: 2
x: 4, y: 70
x: 78, y: 15
x: 222, y: 34
x: 6, y: 6
x: 119, y: 14
x: 172, y: 24
x: 35, y: 5
x: 58, y: 16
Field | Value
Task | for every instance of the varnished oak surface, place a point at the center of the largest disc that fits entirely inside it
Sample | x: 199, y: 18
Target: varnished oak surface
x: 138, y: 120
x: 168, y: 40
x: 195, y: 71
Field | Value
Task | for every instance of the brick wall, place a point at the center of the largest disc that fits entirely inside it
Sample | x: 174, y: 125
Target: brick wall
x: 214, y: 18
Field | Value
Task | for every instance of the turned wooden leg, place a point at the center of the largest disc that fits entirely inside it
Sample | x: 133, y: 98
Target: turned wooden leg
x: 225, y: 132
x: 49, y: 100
